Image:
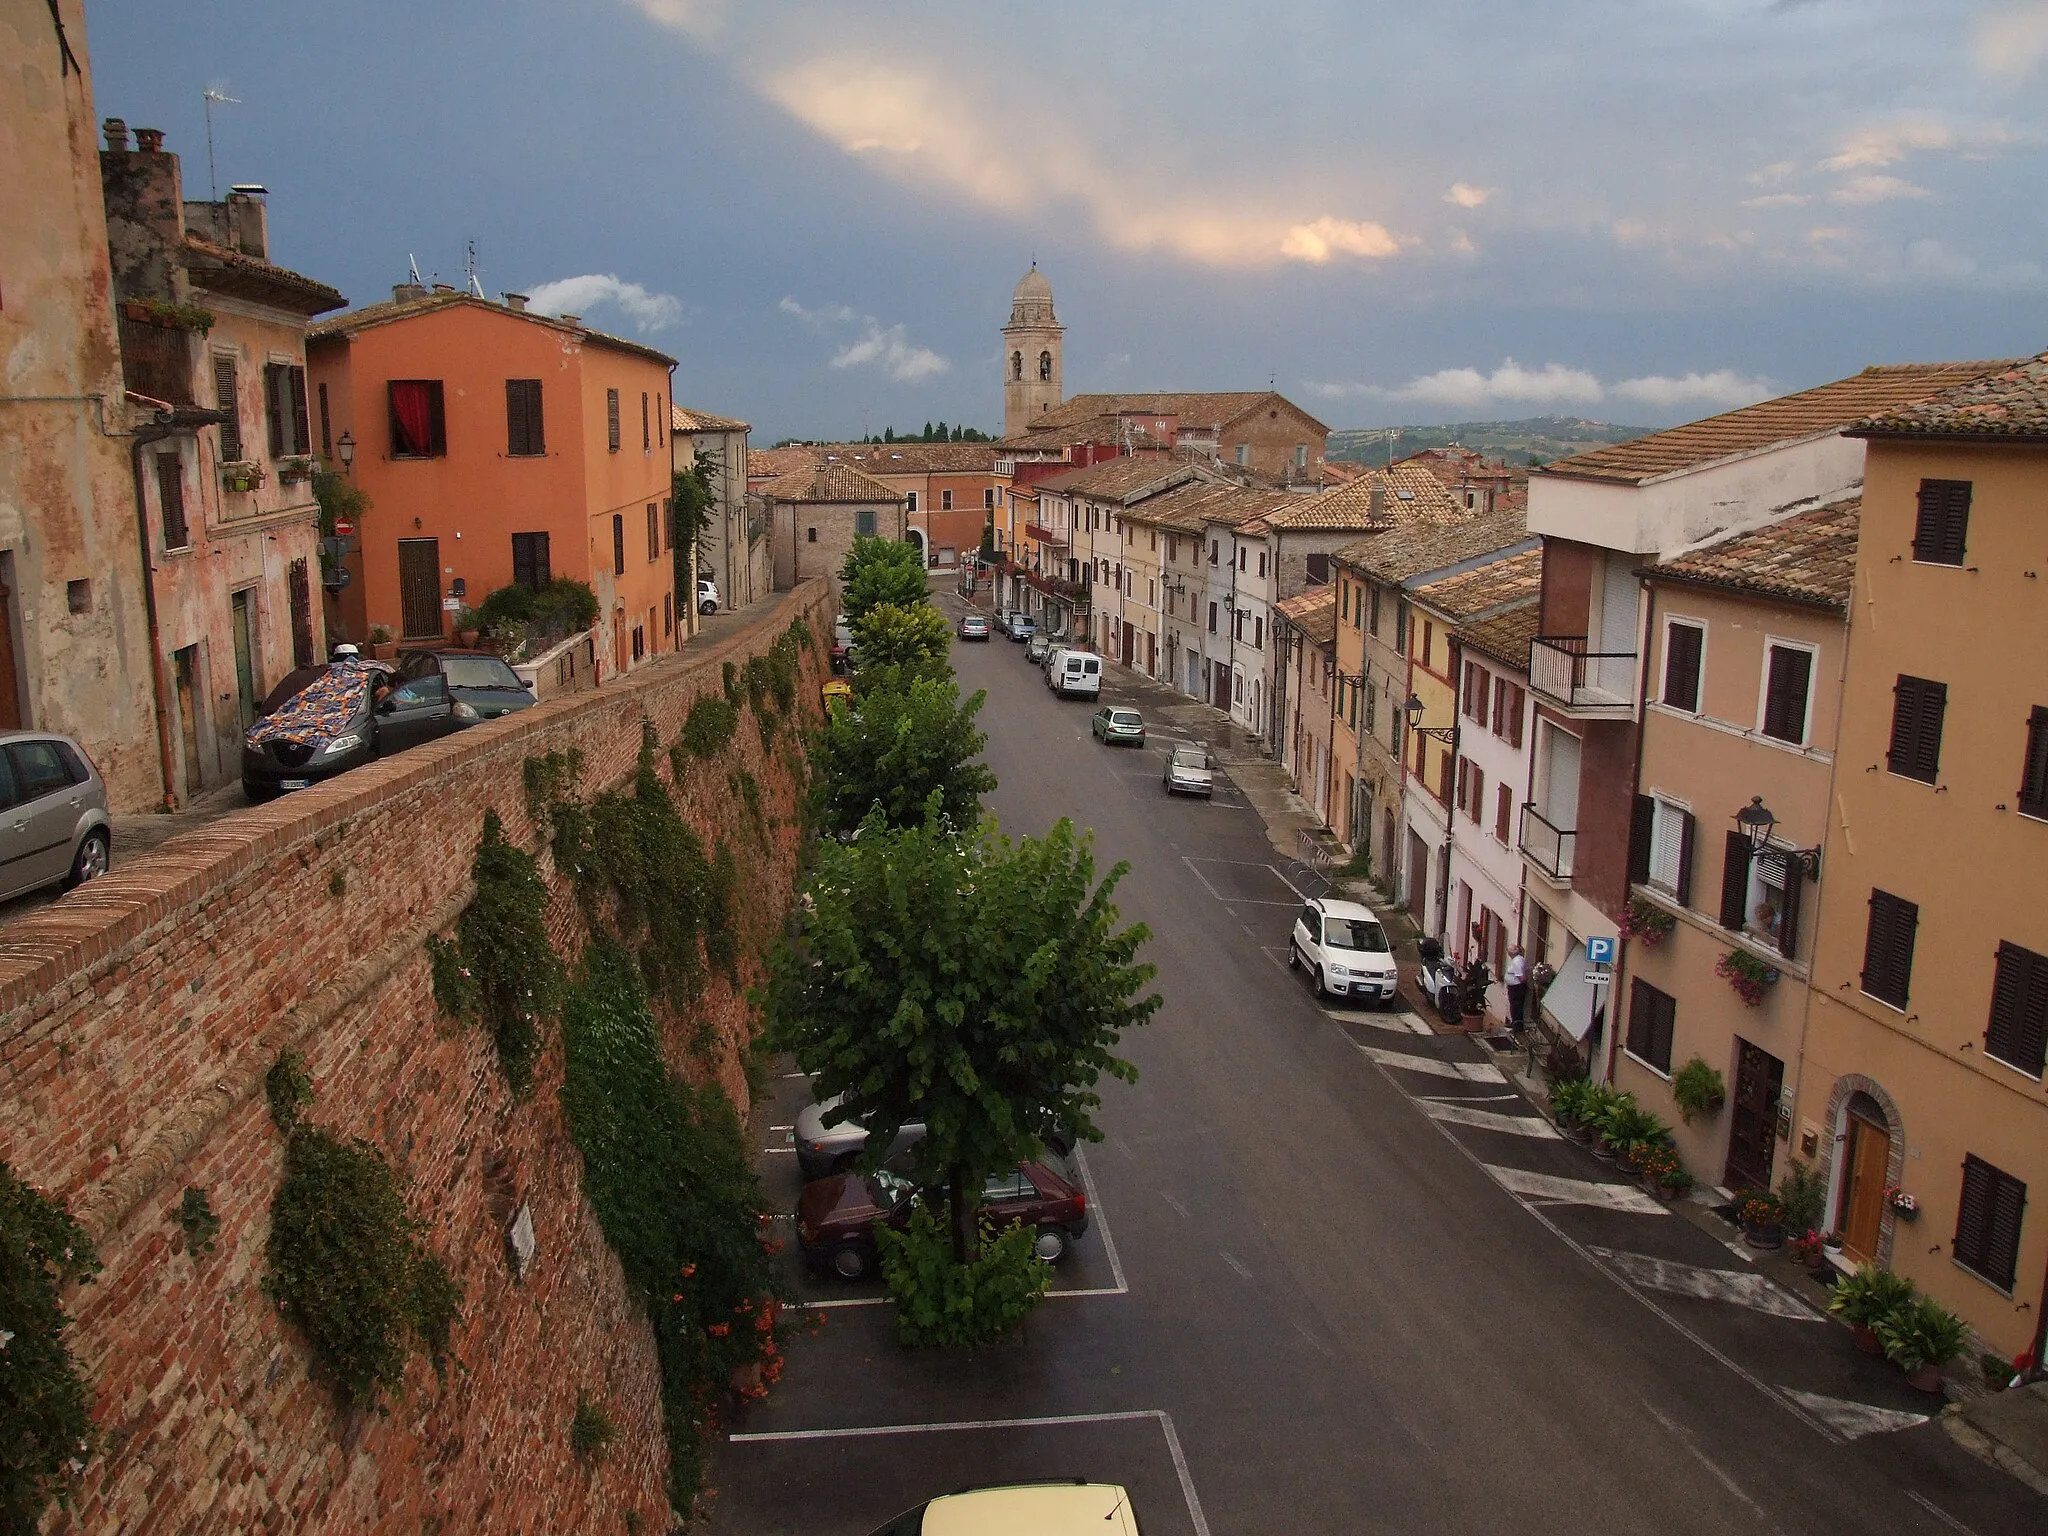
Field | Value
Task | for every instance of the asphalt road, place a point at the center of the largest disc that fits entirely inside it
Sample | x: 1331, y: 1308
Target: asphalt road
x: 1356, y: 1285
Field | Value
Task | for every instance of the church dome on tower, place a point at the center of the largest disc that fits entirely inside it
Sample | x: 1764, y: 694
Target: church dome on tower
x: 1031, y: 303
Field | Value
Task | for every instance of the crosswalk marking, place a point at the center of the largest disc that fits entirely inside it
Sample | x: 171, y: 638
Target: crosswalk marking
x: 1464, y: 1071
x: 1549, y: 1187
x: 1488, y: 1120
x: 1399, y: 1023
x: 1731, y: 1285
x: 1852, y: 1421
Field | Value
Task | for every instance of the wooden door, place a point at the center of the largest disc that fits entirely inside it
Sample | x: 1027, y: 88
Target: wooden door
x: 419, y: 588
x: 1866, y: 1155
x: 245, y: 657
x: 1753, y: 1126
x: 1130, y: 642
x: 185, y: 672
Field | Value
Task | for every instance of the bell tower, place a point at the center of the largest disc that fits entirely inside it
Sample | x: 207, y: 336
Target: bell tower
x: 1031, y: 354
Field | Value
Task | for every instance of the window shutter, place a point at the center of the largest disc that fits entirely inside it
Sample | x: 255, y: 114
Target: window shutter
x: 1475, y: 805
x: 302, y: 426
x: 2008, y: 1210
x: 1683, y: 888
x: 2034, y: 771
x: 2018, y: 1032
x: 1785, y: 694
x: 1682, y: 666
x: 273, y: 406
x: 1641, y: 823
x: 1973, y: 1213
x: 1734, y: 881
x: 1918, y: 706
x: 437, y: 419
x: 1788, y: 918
x: 611, y: 414
x: 224, y: 397
x: 1888, y: 948
x: 1942, y: 527
x: 1988, y: 1221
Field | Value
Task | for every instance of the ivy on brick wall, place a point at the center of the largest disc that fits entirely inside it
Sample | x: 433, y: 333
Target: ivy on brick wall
x: 500, y: 971
x: 46, y: 1428
x: 666, y: 1169
x: 709, y: 726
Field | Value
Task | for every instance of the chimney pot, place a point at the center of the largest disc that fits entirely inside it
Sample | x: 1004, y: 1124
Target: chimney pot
x: 150, y: 141
x: 1379, y: 499
x: 117, y: 135
x: 570, y: 319
x: 516, y: 302
x: 402, y: 293
x: 444, y: 287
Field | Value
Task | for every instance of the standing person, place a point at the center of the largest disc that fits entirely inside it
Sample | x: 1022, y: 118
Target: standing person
x: 1517, y: 978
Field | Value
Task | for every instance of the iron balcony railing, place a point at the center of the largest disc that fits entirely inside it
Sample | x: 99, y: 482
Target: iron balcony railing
x: 1564, y: 672
x: 1549, y: 848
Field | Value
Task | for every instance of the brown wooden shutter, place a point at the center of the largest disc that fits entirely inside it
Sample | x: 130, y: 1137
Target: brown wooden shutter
x: 326, y: 427
x: 1682, y: 666
x: 2034, y: 770
x: 302, y: 428
x: 170, y: 489
x: 1785, y: 693
x: 2018, y: 1032
x: 275, y: 404
x: 1988, y: 1221
x: 1918, y: 706
x: 611, y: 416
x: 1888, y: 948
x: 1941, y: 529
x: 1683, y: 889
x: 1788, y: 919
x: 224, y: 397
x: 1641, y: 823
x: 1735, y: 882
x: 437, y: 418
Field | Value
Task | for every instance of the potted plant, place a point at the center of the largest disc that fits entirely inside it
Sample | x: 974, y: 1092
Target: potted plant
x: 1678, y: 1181
x: 1663, y: 1173
x: 380, y: 642
x: 292, y: 470
x: 1593, y: 1104
x: 1805, y: 1194
x: 1866, y: 1296
x: 1808, y: 1250
x: 1749, y: 976
x: 1568, y: 1100
x: 1831, y: 1241
x: 1763, y: 1219
x: 241, y: 475
x: 1647, y: 921
x: 1921, y: 1337
x: 1697, y: 1089
x: 1903, y: 1205
x: 1625, y: 1121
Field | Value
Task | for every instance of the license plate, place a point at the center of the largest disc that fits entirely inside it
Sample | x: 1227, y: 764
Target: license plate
x: 294, y: 783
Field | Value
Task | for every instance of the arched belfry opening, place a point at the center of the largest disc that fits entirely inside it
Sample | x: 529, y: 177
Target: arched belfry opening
x: 1034, y: 331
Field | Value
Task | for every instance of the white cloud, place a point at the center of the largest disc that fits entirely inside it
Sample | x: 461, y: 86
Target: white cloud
x: 647, y: 310
x: 701, y: 19
x: 2011, y: 41
x: 1723, y: 389
x: 1466, y: 195
x: 1858, y: 190
x: 1930, y: 258
x: 1889, y: 143
x: 1777, y: 200
x: 823, y: 315
x: 1514, y: 387
x: 1326, y: 237
x: 886, y: 347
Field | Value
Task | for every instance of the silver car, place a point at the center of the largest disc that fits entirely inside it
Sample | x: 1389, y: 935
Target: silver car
x: 53, y: 814
x: 1188, y: 770
x: 825, y: 1146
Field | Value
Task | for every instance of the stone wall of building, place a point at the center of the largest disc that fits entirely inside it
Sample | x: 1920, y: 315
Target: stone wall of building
x: 137, y: 1020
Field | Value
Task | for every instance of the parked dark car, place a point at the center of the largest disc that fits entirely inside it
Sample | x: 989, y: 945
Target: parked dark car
x: 322, y: 721
x: 835, y: 1217
x: 483, y: 680
x: 53, y: 814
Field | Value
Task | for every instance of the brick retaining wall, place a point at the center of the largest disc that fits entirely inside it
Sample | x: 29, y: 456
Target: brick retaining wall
x: 137, y: 1019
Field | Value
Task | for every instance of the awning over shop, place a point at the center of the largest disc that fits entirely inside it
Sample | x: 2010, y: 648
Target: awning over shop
x: 1572, y: 1000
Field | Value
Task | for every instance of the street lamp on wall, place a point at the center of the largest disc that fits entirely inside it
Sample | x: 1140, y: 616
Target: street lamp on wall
x: 1756, y: 823
x: 1413, y: 710
x: 345, y: 449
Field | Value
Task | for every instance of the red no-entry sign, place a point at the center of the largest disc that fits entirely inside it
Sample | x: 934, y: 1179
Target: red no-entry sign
x: 343, y: 528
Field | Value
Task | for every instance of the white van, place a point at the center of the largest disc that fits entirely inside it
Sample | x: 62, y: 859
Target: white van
x: 1075, y: 674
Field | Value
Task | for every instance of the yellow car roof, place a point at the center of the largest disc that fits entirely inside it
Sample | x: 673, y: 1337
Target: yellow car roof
x: 1034, y: 1509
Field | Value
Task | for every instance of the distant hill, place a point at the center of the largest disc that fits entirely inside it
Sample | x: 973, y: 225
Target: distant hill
x: 1536, y: 439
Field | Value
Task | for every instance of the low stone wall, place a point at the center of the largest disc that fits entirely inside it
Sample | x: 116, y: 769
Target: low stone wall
x: 138, y: 1017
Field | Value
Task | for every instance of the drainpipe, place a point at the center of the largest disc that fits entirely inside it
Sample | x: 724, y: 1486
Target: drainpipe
x: 1619, y: 969
x: 170, y: 422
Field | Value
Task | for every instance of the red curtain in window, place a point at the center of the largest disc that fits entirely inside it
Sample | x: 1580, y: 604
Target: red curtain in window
x: 411, y: 411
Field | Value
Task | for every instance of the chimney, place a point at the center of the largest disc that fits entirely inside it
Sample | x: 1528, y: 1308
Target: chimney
x: 248, y: 220
x: 516, y: 302
x: 444, y: 287
x: 150, y: 141
x: 117, y: 135
x: 1379, y: 501
x: 405, y: 293
x: 570, y: 319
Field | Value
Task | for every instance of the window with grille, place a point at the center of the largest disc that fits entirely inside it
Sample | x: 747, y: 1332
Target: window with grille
x: 1652, y: 1022
x: 2034, y: 769
x: 1888, y: 948
x: 1943, y: 524
x: 2018, y: 1032
x: 1683, y: 645
x: 170, y: 489
x: 945, y: 501
x: 1988, y: 1222
x: 1918, y: 704
x: 1787, y: 682
x: 611, y: 419
x: 864, y: 524
x: 524, y: 434
x: 530, y: 561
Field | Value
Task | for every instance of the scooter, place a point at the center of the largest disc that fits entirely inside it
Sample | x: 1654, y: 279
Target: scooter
x: 1473, y: 981
x: 1438, y: 978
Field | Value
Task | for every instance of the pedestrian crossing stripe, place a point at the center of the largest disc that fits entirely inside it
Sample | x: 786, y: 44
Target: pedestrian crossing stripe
x: 1463, y: 1071
x: 1397, y: 1023
x: 1549, y: 1188
x: 1534, y: 1126
x: 1852, y: 1421
x: 1739, y: 1287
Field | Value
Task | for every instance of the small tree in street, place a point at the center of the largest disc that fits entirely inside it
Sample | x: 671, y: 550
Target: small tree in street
x: 696, y: 498
x: 978, y: 985
x: 881, y: 571
x: 896, y: 749
x: 914, y: 639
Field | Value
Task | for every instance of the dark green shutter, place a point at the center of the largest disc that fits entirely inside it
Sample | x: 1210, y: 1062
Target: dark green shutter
x: 1788, y: 920
x: 1735, y: 882
x: 1640, y: 824
x: 1683, y: 888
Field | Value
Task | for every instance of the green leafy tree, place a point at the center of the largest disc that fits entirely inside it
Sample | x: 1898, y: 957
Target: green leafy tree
x: 881, y: 571
x: 46, y: 1428
x: 896, y: 749
x: 915, y: 639
x: 696, y: 498
x: 976, y: 984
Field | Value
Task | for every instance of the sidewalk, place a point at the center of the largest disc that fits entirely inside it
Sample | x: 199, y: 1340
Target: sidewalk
x: 2008, y: 1429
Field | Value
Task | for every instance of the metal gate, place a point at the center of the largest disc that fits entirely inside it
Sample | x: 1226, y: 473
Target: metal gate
x: 299, y: 581
x: 1753, y: 1125
x: 419, y: 588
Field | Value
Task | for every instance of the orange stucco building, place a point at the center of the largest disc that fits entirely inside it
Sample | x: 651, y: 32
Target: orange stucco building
x: 498, y: 445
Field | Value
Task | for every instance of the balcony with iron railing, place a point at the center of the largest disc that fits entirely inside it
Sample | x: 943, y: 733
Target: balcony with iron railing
x: 1588, y: 685
x: 1548, y: 848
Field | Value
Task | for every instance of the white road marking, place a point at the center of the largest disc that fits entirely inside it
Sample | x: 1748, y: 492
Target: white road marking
x: 1101, y: 1224
x: 791, y: 1076
x: 1685, y: 1439
x: 1052, y: 1421
x: 1939, y: 1513
x: 1183, y: 1210
x: 1466, y: 1071
x: 1852, y: 1421
x: 1534, y: 1126
x: 1241, y: 901
x: 1743, y: 1289
x: 1475, y: 1098
x: 1235, y: 1263
x: 781, y: 1127
x: 1400, y: 1023
x: 1547, y: 1186
x: 790, y: 1151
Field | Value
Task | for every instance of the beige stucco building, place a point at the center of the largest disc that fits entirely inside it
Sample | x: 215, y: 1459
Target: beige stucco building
x: 817, y: 513
x: 733, y: 551
x: 1924, y: 1045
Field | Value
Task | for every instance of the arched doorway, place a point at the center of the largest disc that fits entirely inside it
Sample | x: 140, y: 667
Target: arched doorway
x: 916, y: 536
x: 1865, y: 1139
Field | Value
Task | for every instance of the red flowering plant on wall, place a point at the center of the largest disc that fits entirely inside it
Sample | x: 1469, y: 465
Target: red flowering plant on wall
x: 1749, y: 976
x: 1646, y: 921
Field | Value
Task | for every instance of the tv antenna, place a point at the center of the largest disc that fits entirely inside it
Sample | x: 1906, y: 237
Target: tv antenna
x: 475, y: 287
x: 412, y: 263
x: 210, y: 96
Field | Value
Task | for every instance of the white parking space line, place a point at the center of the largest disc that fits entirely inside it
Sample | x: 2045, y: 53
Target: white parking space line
x: 1852, y: 1421
x: 1736, y: 1286
x: 1184, y: 1212
x: 1051, y: 1421
x: 1400, y: 1023
x: 1938, y: 1512
x: 1235, y: 1263
x: 1242, y: 901
x: 1465, y: 1071
x: 786, y: 1151
x: 781, y: 1127
x: 1685, y: 1438
x: 1101, y: 1224
x: 1549, y: 1187
x: 1534, y: 1126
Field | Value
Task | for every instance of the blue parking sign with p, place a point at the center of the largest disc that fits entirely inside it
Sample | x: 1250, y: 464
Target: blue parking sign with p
x: 1600, y: 951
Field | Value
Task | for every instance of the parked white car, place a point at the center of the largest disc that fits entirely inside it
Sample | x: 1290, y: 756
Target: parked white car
x: 1075, y: 674
x: 707, y: 595
x: 1345, y: 950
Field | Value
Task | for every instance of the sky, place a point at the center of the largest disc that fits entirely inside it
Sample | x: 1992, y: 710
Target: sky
x: 1638, y: 211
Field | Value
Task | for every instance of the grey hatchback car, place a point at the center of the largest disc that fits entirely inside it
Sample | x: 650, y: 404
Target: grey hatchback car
x: 53, y: 814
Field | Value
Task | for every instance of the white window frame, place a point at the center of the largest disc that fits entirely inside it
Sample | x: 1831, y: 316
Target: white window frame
x: 1763, y: 688
x: 913, y: 503
x: 1667, y: 843
x: 1700, y: 686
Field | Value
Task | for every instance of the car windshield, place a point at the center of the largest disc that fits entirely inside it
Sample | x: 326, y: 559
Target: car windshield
x: 478, y: 672
x: 1190, y: 757
x: 1123, y: 717
x: 1355, y: 933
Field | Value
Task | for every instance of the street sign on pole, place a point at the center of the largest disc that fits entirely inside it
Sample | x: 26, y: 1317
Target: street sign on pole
x: 1600, y: 951
x: 344, y: 528
x: 1598, y: 978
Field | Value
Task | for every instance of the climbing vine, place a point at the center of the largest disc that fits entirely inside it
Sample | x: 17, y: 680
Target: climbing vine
x: 501, y: 971
x: 46, y: 1428
x: 710, y: 725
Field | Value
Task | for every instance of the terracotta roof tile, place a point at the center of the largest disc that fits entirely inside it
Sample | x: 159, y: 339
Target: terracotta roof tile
x: 405, y: 309
x: 220, y: 270
x: 1506, y: 636
x: 1124, y: 478
x: 1809, y: 559
x: 684, y: 419
x: 769, y: 463
x: 1194, y: 506
x: 1207, y: 410
x: 2011, y: 401
x: 1313, y: 612
x: 1400, y: 554
x: 825, y: 483
x: 1787, y: 419
x: 917, y: 458
x: 1408, y: 493
x: 1486, y: 588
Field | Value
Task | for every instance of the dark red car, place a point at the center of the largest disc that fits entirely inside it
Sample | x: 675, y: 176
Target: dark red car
x: 836, y: 1216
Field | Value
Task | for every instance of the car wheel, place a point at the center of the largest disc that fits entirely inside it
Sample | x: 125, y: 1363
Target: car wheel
x: 707, y: 607
x: 1053, y: 1244
x: 93, y: 854
x: 1293, y: 956
x: 1322, y: 991
x: 849, y: 1261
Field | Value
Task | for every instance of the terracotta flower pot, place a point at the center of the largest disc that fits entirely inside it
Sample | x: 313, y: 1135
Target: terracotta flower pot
x: 1764, y: 1235
x: 1926, y: 1379
x: 1867, y: 1339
